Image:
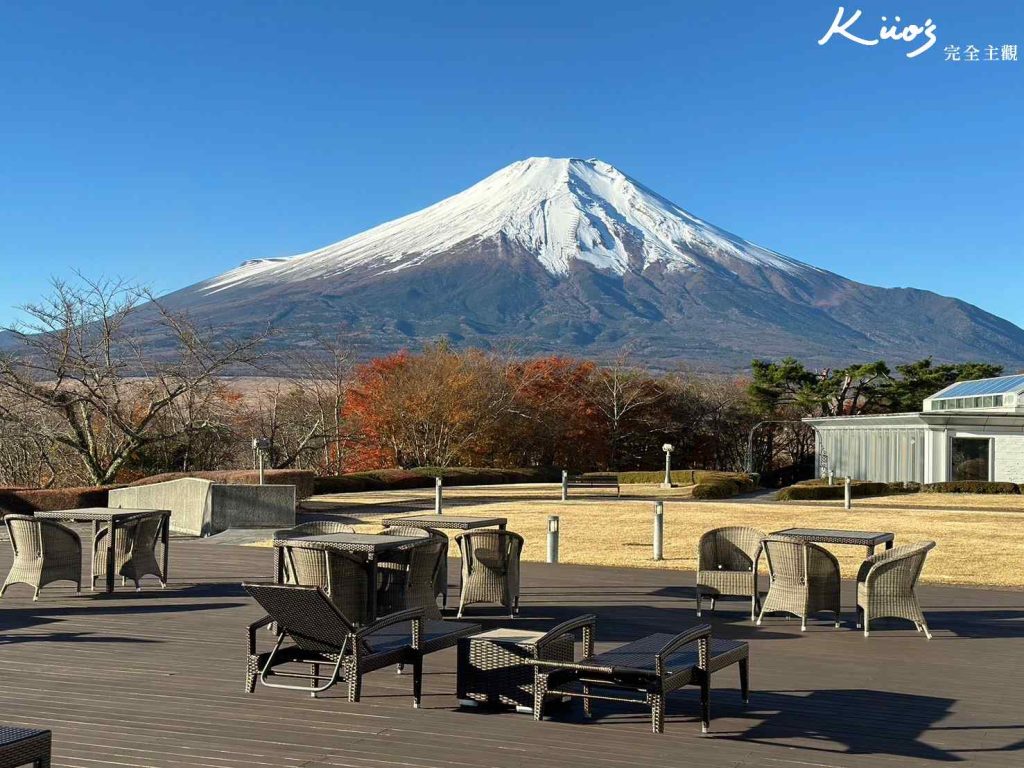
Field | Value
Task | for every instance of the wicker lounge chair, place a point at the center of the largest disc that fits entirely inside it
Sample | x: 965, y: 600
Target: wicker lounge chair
x: 24, y: 746
x: 135, y: 555
x: 804, y: 579
x: 312, y: 528
x: 653, y: 667
x: 727, y: 565
x: 44, y: 551
x: 490, y: 568
x: 886, y: 586
x: 314, y: 634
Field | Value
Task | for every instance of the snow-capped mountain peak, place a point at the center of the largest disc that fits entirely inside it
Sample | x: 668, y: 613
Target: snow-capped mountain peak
x: 559, y: 209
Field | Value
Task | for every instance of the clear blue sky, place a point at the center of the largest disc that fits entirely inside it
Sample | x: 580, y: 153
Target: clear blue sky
x: 167, y: 142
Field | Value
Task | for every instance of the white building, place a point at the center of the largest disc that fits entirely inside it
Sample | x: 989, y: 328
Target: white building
x: 971, y: 430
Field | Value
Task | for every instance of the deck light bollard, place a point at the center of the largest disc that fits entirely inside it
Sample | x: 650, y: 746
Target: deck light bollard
x: 553, y: 538
x: 847, y: 495
x: 659, y: 529
x: 668, y: 448
x: 565, y: 485
x: 437, y: 495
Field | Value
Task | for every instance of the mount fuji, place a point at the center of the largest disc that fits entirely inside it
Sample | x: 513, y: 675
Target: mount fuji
x: 574, y: 257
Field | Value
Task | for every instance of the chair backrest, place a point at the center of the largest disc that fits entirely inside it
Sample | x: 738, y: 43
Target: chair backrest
x: 314, y: 528
x: 342, y: 576
x: 733, y: 548
x: 495, y: 550
x: 306, y: 614
x: 902, y: 565
x: 145, y: 531
x: 792, y: 562
x: 425, y: 559
x: 31, y: 537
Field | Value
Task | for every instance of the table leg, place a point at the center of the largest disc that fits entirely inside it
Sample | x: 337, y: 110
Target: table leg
x: 166, y: 539
x: 278, y: 566
x: 92, y: 558
x: 371, y: 589
x: 888, y: 544
x: 501, y: 526
x: 111, y: 551
x: 871, y: 550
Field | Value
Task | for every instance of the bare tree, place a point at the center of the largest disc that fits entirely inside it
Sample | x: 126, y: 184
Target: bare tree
x: 80, y: 360
x: 621, y: 394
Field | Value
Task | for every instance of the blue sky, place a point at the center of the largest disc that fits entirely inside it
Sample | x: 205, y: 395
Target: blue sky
x: 167, y: 142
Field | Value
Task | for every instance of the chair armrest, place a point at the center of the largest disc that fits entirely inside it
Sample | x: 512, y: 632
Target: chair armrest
x: 410, y: 614
x: 588, y: 623
x: 700, y: 632
x: 266, y: 621
x: 886, y: 556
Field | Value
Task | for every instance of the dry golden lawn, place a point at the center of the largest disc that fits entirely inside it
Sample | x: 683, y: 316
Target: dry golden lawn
x: 941, y: 501
x: 984, y: 548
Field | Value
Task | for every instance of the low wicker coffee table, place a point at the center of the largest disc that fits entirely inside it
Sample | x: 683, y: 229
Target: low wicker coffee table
x: 24, y: 746
x: 494, y: 668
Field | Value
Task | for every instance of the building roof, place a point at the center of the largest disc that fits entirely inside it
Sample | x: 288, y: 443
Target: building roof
x: 1001, y: 385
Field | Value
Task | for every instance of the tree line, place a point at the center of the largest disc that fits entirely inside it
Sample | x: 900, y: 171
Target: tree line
x: 85, y: 400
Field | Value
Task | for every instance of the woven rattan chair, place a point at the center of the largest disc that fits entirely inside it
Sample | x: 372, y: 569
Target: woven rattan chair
x: 886, y: 586
x: 727, y: 565
x: 341, y: 575
x: 490, y: 568
x: 135, y: 554
x: 804, y: 579
x: 420, y: 589
x: 314, y: 634
x: 441, y: 579
x: 312, y: 528
x: 652, y: 666
x: 44, y: 551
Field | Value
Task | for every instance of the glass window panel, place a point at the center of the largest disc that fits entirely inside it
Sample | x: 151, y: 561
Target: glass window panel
x: 970, y: 458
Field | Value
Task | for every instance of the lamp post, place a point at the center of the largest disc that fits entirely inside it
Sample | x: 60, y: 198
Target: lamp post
x: 668, y: 448
x: 261, y: 447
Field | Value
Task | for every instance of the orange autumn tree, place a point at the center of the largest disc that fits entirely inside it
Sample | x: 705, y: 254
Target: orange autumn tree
x: 439, y: 407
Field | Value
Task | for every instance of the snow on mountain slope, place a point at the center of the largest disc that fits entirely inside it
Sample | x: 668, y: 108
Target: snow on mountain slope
x: 559, y: 209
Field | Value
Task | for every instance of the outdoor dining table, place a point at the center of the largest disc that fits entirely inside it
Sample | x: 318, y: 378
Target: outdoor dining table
x: 449, y: 522
x: 867, y: 539
x: 114, y: 518
x: 369, y: 545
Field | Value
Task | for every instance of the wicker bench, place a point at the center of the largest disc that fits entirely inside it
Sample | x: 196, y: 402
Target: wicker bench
x: 593, y: 481
x: 24, y: 746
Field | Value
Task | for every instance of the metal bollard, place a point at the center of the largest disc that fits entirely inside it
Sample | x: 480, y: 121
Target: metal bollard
x: 553, y: 538
x: 847, y: 495
x: 659, y: 529
x: 565, y: 485
x: 437, y: 496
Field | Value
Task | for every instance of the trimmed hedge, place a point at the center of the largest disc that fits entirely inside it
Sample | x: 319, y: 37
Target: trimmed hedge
x: 687, y: 477
x: 971, y: 486
x: 302, y: 479
x: 27, y: 501
x: 423, y: 477
x: 716, y: 489
x: 815, y: 491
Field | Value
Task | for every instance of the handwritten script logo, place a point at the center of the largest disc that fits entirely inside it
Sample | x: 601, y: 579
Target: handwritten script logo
x: 908, y: 34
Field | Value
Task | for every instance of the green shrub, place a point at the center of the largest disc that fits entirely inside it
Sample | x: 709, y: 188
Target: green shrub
x: 302, y: 479
x: 423, y: 477
x: 27, y: 501
x: 716, y: 489
x: 971, y: 486
x: 679, y: 477
x: 809, y: 491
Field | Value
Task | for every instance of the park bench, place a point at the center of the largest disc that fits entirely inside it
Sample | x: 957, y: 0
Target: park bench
x: 610, y: 480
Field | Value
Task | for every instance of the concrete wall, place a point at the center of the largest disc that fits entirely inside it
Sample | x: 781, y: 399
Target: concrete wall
x: 188, y: 499
x: 201, y: 508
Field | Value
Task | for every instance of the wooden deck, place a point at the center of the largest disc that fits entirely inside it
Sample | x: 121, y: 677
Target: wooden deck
x: 155, y: 679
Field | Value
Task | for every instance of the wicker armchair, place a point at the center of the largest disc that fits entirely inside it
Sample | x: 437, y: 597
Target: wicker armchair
x: 44, y: 551
x: 312, y: 528
x: 342, y: 576
x: 421, y: 586
x: 886, y: 586
x: 135, y: 553
x: 727, y: 565
x: 490, y: 568
x: 313, y: 634
x: 804, y: 579
x: 441, y: 578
